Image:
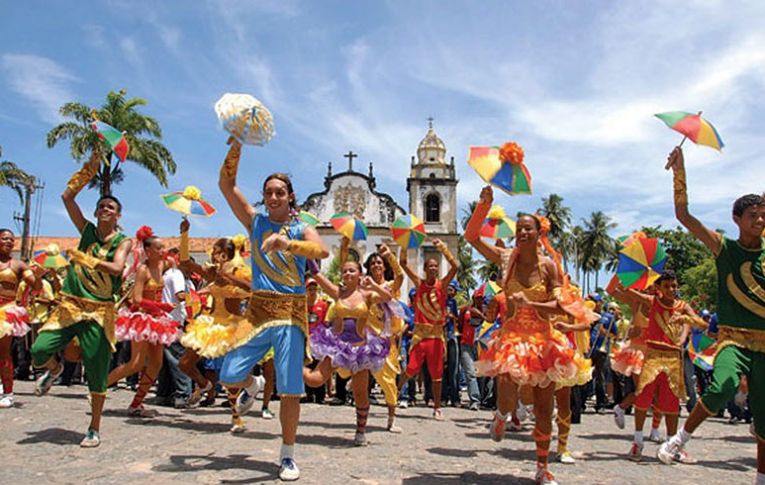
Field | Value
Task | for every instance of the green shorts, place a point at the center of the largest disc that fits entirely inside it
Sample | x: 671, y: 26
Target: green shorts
x: 730, y: 364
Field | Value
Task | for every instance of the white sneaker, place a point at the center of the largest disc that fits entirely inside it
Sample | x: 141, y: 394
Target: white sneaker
x: 142, y: 412
x: 289, y: 471
x: 266, y: 414
x: 656, y: 436
x: 246, y: 397
x: 45, y: 381
x: 619, y: 417
x: 198, y: 394
x: 6, y: 401
x: 403, y: 404
x: 521, y: 412
x: 360, y: 439
x: 669, y: 451
x: 497, y: 427
x: 544, y: 477
x: 566, y: 458
x: 636, y: 452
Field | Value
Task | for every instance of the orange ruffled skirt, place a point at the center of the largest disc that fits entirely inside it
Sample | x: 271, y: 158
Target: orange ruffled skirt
x: 627, y: 360
x: 534, y: 358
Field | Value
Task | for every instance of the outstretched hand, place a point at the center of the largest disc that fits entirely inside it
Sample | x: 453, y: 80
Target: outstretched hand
x: 275, y: 242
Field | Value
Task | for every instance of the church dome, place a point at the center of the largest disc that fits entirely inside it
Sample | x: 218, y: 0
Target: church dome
x: 432, y: 148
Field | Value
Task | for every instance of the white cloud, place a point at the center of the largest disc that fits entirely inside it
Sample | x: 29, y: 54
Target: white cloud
x: 131, y: 51
x: 42, y: 81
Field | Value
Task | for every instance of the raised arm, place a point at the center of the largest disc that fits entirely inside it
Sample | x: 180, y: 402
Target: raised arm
x: 227, y: 183
x: 331, y: 289
x: 404, y: 258
x: 473, y: 230
x: 454, y: 266
x: 377, y: 293
x: 76, y: 183
x: 398, y: 273
x: 711, y: 239
x: 628, y: 296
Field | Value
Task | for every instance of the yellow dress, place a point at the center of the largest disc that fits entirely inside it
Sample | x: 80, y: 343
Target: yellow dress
x: 214, y: 335
x: 14, y: 319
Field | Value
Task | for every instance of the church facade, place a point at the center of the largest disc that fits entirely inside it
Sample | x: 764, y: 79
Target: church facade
x: 432, y: 187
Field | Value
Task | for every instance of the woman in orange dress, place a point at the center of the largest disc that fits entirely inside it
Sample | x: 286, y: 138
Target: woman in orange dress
x: 526, y: 350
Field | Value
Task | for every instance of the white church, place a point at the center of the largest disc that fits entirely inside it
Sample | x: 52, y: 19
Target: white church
x: 432, y: 187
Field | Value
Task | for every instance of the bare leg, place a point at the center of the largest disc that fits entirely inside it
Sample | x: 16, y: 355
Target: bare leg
x: 138, y: 353
x: 360, y: 387
x: 270, y: 375
x: 543, y: 408
x: 96, y: 409
x: 319, y: 375
x: 563, y: 420
x: 289, y: 415
x: 188, y: 365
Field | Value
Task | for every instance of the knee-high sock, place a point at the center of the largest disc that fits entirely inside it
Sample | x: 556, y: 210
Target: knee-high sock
x: 361, y: 419
x: 542, y: 441
x: 564, y: 427
x: 656, y: 418
x: 6, y: 374
x: 144, y: 384
x: 232, y: 394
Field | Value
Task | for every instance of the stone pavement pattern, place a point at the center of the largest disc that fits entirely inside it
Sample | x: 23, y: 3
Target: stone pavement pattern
x: 40, y: 439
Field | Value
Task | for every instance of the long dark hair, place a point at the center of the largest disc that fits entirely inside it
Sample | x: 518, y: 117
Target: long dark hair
x: 283, y: 177
x: 387, y: 273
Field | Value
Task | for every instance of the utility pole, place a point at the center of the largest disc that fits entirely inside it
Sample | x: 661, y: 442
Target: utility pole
x: 29, y: 190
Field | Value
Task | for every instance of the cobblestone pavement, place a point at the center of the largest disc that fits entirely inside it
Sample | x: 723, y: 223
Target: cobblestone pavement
x: 40, y: 439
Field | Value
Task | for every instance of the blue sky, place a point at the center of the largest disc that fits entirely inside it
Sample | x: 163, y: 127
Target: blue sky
x: 575, y: 83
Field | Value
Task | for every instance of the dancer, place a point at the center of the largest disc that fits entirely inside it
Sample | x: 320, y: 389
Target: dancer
x: 146, y: 324
x: 428, y: 344
x: 662, y: 375
x: 741, y: 313
x: 14, y: 319
x: 628, y: 359
x: 348, y: 344
x: 526, y: 351
x: 385, y: 271
x: 86, y: 302
x: 276, y: 314
x: 213, y: 334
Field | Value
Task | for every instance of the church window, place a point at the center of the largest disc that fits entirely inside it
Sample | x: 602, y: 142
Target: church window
x: 432, y: 208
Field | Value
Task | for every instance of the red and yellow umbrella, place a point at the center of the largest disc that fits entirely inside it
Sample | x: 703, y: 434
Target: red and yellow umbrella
x: 188, y: 202
x: 408, y: 232
x: 349, y: 226
x: 641, y: 263
x: 488, y: 289
x: 693, y: 126
x: 50, y: 257
x: 497, y: 225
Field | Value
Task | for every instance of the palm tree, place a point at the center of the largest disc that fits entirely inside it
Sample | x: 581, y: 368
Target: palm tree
x: 13, y: 177
x: 597, y: 245
x: 142, y: 133
x: 465, y: 275
x: 558, y: 214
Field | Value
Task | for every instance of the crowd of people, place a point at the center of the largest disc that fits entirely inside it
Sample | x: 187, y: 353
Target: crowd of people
x: 132, y: 309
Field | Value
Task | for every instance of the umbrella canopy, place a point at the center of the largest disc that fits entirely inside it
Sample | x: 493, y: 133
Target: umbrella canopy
x: 485, y: 332
x: 114, y: 139
x: 502, y: 167
x: 641, y: 263
x: 693, y: 126
x: 702, y: 350
x: 408, y: 232
x: 309, y: 218
x: 349, y: 226
x: 50, y: 257
x: 189, y: 202
x: 245, y: 118
x: 488, y: 289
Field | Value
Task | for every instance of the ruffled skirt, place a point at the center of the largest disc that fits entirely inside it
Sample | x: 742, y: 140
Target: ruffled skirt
x: 138, y: 326
x: 627, y: 360
x: 353, y: 357
x: 14, y: 321
x: 534, y: 359
x: 211, y: 337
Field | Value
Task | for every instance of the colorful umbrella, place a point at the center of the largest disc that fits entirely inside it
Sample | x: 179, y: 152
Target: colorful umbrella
x: 408, y: 232
x: 502, y: 167
x: 349, y: 226
x: 641, y: 263
x: 246, y: 118
x: 488, y: 289
x: 113, y: 137
x: 50, y: 257
x: 188, y: 202
x: 485, y: 332
x: 309, y: 218
x: 693, y: 126
x: 497, y: 225
x: 702, y: 350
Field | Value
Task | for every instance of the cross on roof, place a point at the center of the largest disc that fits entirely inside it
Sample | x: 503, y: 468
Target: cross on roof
x: 350, y: 156
x: 430, y: 122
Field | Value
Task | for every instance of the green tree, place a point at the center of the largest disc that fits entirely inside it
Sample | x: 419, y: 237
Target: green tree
x: 142, y: 132
x: 698, y: 285
x: 15, y: 178
x: 596, y: 245
x: 465, y: 275
x: 684, y: 251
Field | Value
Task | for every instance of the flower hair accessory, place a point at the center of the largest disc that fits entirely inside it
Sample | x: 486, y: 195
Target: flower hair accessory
x: 143, y: 233
x: 511, y: 152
